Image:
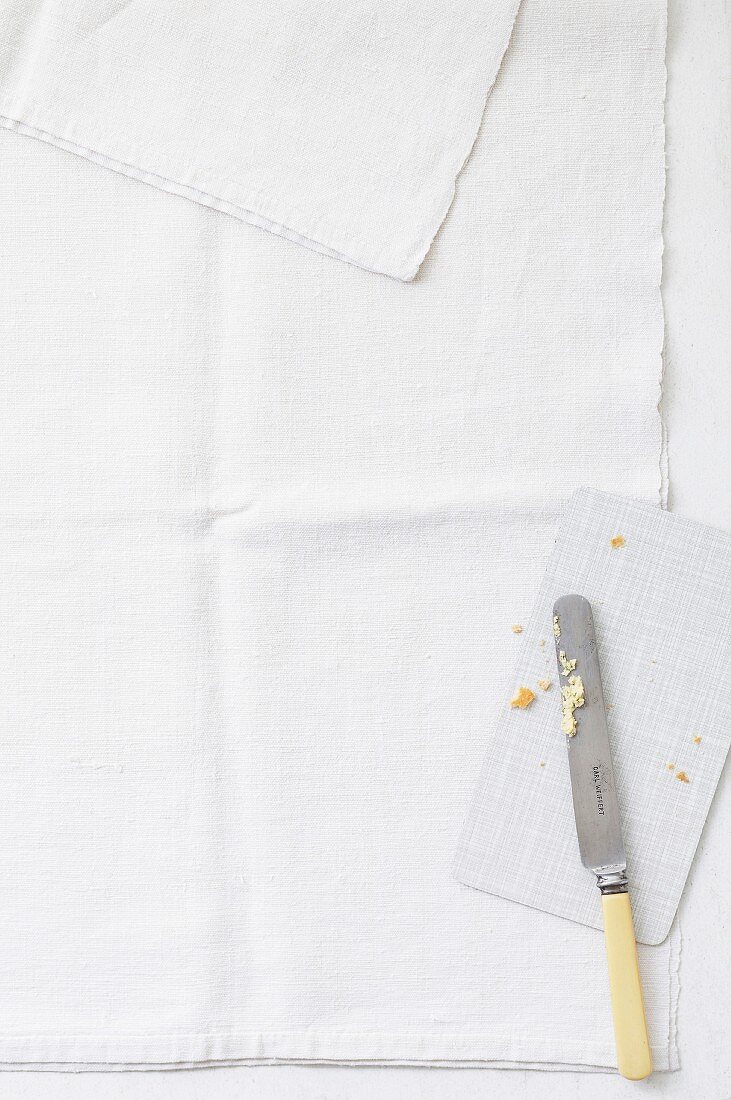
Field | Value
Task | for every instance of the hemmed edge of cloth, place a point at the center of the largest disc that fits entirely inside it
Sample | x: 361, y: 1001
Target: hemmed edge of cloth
x: 244, y: 211
x: 57, y: 1053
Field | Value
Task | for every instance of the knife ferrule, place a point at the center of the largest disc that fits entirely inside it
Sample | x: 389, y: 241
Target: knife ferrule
x: 611, y: 880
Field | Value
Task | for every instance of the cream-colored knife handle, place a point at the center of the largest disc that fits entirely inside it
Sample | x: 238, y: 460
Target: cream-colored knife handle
x: 630, y: 1027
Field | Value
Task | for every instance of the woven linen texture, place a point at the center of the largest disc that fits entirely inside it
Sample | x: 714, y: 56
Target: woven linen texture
x: 267, y: 521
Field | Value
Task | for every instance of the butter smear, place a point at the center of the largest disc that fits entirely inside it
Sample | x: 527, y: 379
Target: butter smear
x: 566, y: 665
x: 572, y: 697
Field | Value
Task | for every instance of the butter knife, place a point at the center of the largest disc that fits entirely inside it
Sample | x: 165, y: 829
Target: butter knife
x: 598, y: 825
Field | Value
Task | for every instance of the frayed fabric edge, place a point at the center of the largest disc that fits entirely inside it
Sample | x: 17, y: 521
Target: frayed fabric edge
x: 664, y: 460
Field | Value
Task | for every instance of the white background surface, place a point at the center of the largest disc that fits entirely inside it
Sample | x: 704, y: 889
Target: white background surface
x: 697, y: 408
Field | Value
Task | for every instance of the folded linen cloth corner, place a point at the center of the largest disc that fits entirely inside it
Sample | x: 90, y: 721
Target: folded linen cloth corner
x: 268, y: 519
x: 343, y: 128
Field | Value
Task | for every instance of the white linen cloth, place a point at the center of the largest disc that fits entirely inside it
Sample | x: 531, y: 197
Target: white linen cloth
x: 342, y: 126
x: 662, y: 613
x: 267, y: 521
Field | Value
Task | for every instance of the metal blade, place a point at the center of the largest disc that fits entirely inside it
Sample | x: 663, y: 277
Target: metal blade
x: 590, y: 763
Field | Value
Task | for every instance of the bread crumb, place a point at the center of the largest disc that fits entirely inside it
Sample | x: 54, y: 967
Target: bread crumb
x: 517, y: 629
x: 617, y: 541
x: 542, y: 764
x: 556, y: 628
x: 670, y: 767
x: 523, y: 699
x: 682, y: 777
x: 572, y: 697
x: 566, y: 665
x: 544, y: 685
x: 697, y: 740
x: 542, y: 642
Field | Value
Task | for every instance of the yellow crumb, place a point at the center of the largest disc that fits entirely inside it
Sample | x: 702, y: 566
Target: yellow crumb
x: 544, y: 685
x: 523, y: 699
x: 670, y: 767
x: 542, y: 764
x: 542, y: 642
x: 682, y: 777
x: 566, y: 665
x: 697, y: 740
x: 617, y: 541
x: 556, y: 628
x: 572, y: 697
x: 517, y: 629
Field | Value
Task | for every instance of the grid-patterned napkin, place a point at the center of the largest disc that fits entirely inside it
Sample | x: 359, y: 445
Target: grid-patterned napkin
x: 662, y: 609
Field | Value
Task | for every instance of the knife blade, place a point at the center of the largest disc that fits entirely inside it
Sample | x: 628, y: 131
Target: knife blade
x: 596, y: 809
x: 598, y: 823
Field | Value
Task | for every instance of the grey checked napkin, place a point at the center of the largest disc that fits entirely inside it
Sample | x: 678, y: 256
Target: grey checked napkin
x: 662, y: 607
